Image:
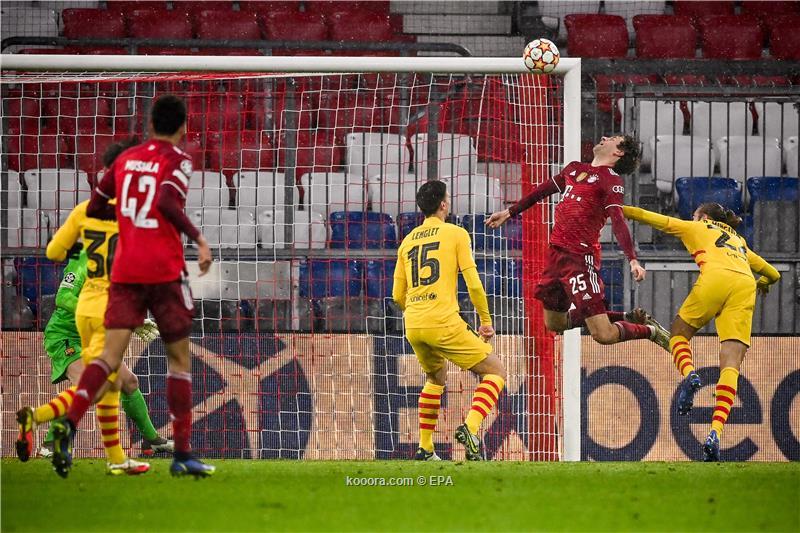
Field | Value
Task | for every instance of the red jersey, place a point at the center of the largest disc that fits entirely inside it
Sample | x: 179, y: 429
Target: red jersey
x: 586, y: 193
x: 150, y: 249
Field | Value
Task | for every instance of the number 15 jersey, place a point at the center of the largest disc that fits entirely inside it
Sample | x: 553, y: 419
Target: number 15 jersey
x: 150, y: 249
x: 429, y: 259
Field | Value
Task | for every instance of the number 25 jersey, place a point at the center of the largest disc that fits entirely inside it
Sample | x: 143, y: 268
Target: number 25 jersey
x: 150, y: 249
x: 429, y: 258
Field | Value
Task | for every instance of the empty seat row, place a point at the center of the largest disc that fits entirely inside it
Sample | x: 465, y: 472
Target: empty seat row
x: 665, y: 36
x: 728, y: 192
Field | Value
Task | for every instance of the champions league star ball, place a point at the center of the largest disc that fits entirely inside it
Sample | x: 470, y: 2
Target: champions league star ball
x: 541, y: 56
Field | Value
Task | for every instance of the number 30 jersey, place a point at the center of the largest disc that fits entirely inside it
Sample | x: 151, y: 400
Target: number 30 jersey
x: 150, y: 249
x: 99, y: 244
x: 428, y: 261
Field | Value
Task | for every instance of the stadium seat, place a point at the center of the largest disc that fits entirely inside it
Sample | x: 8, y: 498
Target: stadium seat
x: 610, y: 87
x: 231, y: 151
x: 89, y: 150
x: 694, y: 191
x: 226, y: 228
x: 363, y: 26
x: 308, y: 228
x: 664, y: 36
x: 294, y: 26
x: 720, y: 119
x: 331, y: 7
x: 80, y: 23
x: 596, y: 36
x: 54, y: 192
x: 781, y: 120
x: 790, y: 154
x: 491, y: 273
x: 13, y: 205
x: 653, y: 118
x: 326, y: 278
x: 680, y: 156
x: 263, y: 189
x: 476, y: 193
x: 784, y: 41
x: 770, y: 9
x: 506, y: 237
x: 359, y: 229
x: 150, y: 24
x: 731, y: 37
x: 553, y: 12
x: 686, y: 79
x: 743, y: 156
x: 326, y: 192
x: 269, y: 6
x: 630, y: 9
x: 406, y: 222
x: 25, y: 20
x: 380, y: 277
x: 23, y: 114
x: 314, y: 153
x: 772, y: 189
x: 207, y: 189
x: 456, y: 155
x: 376, y: 154
x: 27, y: 152
x: 394, y: 194
x: 195, y: 8
x: 697, y: 9
x: 231, y: 25
x: 128, y: 6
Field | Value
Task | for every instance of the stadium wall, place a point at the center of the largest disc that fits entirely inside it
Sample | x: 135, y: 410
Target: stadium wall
x: 297, y: 396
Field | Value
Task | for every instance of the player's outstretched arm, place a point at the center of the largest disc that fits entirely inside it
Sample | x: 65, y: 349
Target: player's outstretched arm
x: 671, y: 225
x: 769, y: 274
x: 541, y: 191
x: 400, y: 285
x: 625, y: 241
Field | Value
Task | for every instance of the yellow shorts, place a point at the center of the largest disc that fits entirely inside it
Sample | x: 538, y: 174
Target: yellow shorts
x: 457, y: 343
x: 93, y: 339
x: 728, y: 296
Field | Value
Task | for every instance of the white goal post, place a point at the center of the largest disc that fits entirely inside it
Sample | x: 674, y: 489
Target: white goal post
x: 76, y: 68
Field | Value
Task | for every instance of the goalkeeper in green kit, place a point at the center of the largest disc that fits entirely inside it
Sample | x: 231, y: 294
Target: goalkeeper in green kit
x: 63, y: 346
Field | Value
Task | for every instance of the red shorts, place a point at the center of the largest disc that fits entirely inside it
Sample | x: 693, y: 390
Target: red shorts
x: 570, y: 278
x: 170, y: 303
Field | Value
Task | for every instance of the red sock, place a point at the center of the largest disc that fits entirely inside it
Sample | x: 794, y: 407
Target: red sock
x: 92, y: 378
x: 577, y: 320
x: 179, y: 400
x: 629, y: 331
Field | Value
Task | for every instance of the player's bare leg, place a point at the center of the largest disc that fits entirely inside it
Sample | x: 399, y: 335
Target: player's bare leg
x: 731, y: 355
x: 179, y: 400
x: 682, y: 358
x: 492, y: 374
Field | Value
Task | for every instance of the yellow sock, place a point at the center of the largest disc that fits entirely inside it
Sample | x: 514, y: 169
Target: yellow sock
x: 430, y: 399
x: 483, y: 401
x: 726, y: 392
x: 55, y: 408
x: 681, y: 354
x: 108, y: 422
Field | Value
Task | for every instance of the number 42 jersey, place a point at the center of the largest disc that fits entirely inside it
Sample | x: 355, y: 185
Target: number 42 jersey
x: 150, y: 248
x: 429, y: 260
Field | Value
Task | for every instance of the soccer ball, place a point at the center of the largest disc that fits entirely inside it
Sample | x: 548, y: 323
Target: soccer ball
x: 541, y: 56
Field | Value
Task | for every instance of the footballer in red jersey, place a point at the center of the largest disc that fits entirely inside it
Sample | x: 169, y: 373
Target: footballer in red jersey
x: 590, y: 193
x: 150, y: 182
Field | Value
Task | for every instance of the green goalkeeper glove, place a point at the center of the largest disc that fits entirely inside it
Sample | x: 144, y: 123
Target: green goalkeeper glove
x: 148, y: 331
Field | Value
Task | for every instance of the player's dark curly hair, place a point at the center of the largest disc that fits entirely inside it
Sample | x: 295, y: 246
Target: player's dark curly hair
x: 717, y: 212
x: 629, y: 162
x: 168, y: 114
x: 430, y: 197
x: 114, y: 149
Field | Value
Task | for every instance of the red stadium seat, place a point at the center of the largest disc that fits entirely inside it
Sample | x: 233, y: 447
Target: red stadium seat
x: 664, y: 36
x: 26, y: 152
x: 746, y: 80
x: 731, y: 37
x: 596, y: 35
x: 316, y: 153
x: 162, y: 51
x: 362, y: 26
x: 773, y: 8
x: 127, y: 6
x: 784, y: 38
x: 233, y: 151
x: 98, y: 50
x: 89, y: 150
x: 329, y: 7
x: 233, y: 25
x: 23, y: 114
x: 294, y: 26
x: 696, y: 9
x: 149, y: 24
x: 81, y: 23
x: 697, y: 80
x: 45, y: 51
x: 262, y: 7
x: 196, y: 7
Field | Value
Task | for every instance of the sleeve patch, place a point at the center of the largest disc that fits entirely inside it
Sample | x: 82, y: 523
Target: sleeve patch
x: 186, y: 167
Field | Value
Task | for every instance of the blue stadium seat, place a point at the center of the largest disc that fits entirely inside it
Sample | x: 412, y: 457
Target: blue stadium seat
x: 408, y: 221
x: 747, y: 229
x: 694, y: 191
x: 356, y: 229
x: 485, y: 238
x: 771, y: 189
x: 491, y: 274
x: 611, y: 274
x: 321, y: 278
x: 514, y: 278
x: 380, y: 275
x: 38, y: 277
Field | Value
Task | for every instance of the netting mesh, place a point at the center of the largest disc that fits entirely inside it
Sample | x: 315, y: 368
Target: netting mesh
x: 304, y: 185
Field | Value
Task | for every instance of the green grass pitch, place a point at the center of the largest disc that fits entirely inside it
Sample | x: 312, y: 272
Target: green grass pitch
x: 249, y: 495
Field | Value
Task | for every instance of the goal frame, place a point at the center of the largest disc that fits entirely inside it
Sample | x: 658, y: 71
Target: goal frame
x: 569, y: 68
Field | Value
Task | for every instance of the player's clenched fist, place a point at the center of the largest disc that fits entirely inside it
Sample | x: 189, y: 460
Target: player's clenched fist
x: 637, y: 271
x: 486, y: 333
